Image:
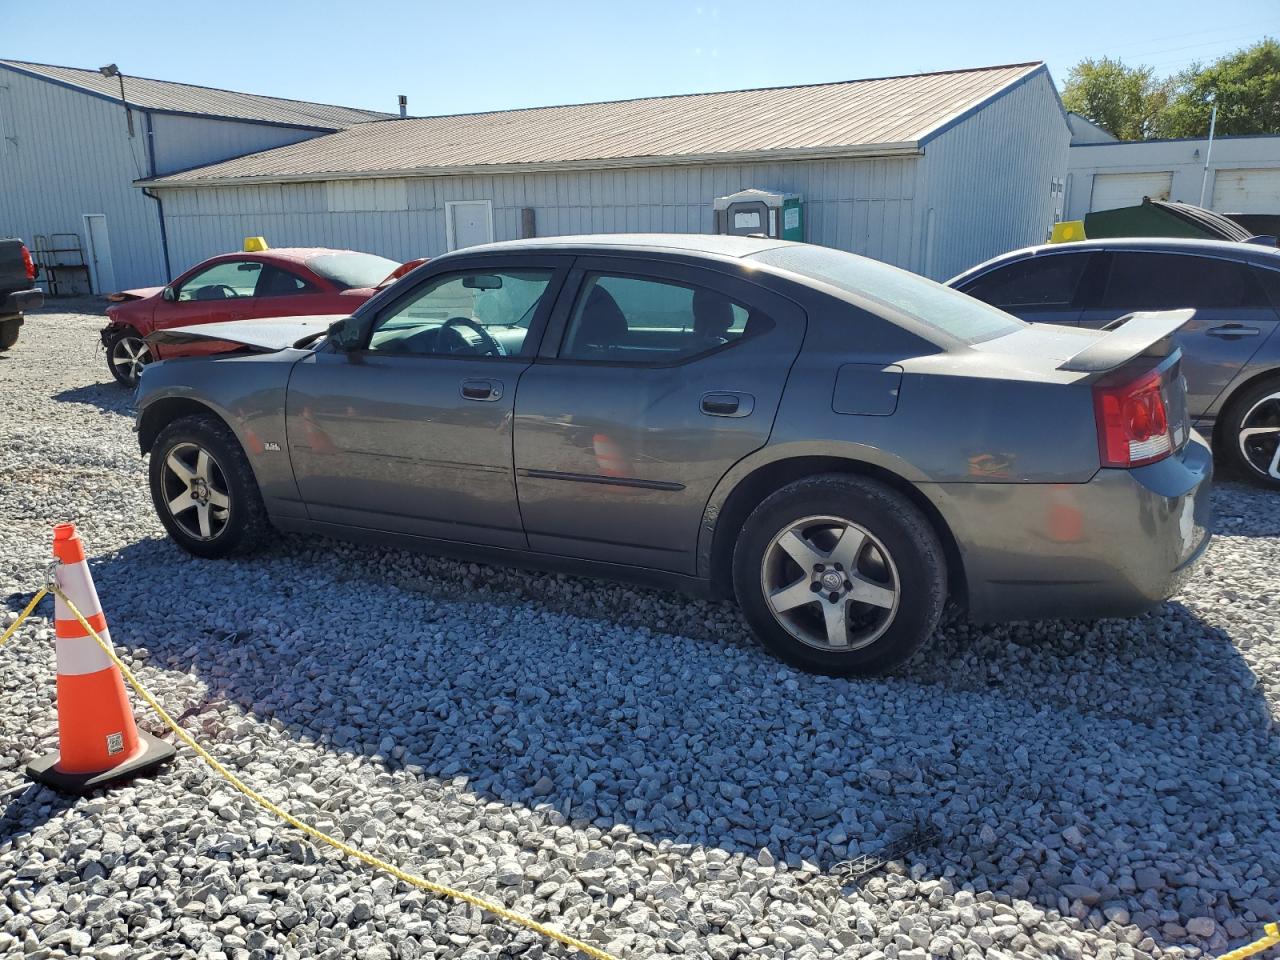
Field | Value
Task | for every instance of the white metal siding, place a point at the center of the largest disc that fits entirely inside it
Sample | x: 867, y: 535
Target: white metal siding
x: 992, y: 182
x: 185, y: 142
x: 866, y: 206
x: 64, y: 155
x: 1247, y: 191
x: 1112, y: 191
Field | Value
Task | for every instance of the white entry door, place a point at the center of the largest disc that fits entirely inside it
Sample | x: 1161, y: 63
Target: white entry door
x: 468, y: 222
x: 102, y: 275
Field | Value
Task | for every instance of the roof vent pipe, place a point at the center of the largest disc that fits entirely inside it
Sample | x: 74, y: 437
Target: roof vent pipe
x: 404, y: 105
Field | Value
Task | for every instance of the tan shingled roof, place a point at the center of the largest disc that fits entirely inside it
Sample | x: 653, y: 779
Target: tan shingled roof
x: 203, y: 101
x: 867, y: 117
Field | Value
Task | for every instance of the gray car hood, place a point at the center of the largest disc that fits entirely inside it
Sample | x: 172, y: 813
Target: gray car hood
x: 262, y: 335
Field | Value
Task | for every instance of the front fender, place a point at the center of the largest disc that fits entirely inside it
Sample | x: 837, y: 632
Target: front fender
x: 247, y: 392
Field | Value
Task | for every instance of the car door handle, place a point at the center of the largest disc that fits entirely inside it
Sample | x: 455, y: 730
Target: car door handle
x: 481, y: 390
x: 1229, y: 330
x: 727, y: 404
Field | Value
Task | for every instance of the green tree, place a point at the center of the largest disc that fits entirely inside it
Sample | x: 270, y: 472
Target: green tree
x: 1127, y: 101
x: 1245, y: 85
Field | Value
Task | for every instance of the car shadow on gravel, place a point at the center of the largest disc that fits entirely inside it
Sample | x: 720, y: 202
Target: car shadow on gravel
x: 1117, y: 765
x: 108, y: 396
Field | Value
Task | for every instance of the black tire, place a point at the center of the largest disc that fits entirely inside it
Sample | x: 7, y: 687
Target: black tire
x: 9, y: 332
x: 119, y: 344
x: 900, y: 543
x: 245, y: 526
x: 1257, y: 406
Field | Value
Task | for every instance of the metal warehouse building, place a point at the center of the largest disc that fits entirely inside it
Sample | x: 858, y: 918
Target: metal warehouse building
x: 1243, y: 175
x: 70, y: 151
x: 932, y: 172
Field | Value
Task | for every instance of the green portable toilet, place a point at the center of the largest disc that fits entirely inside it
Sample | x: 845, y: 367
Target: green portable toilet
x: 766, y: 213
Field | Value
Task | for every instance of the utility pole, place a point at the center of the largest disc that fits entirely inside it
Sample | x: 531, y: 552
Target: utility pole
x: 1204, y: 179
x: 111, y: 70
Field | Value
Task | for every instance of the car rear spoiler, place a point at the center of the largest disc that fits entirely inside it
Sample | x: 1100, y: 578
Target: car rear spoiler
x: 1128, y: 337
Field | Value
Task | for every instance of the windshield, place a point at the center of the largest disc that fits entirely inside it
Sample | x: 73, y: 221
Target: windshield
x: 930, y: 303
x: 352, y: 269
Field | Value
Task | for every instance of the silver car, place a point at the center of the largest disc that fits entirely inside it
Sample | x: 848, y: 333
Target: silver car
x: 839, y: 444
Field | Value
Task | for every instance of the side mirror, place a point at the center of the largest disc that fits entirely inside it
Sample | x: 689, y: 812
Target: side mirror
x: 345, y: 334
x: 168, y: 294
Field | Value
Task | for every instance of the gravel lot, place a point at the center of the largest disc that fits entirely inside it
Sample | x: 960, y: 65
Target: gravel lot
x: 626, y: 764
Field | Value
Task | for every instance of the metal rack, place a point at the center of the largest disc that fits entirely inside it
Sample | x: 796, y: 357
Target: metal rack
x: 60, y: 258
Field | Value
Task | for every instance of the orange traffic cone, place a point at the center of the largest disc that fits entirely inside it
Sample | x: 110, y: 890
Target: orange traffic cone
x: 98, y: 742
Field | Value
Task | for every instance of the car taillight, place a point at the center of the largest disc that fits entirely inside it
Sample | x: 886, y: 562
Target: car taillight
x: 1133, y: 422
x: 28, y: 263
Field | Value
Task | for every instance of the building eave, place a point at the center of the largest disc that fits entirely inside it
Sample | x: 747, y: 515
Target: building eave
x: 862, y: 152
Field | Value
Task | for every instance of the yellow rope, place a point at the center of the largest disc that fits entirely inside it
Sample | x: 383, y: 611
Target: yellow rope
x: 377, y: 863
x: 1271, y: 939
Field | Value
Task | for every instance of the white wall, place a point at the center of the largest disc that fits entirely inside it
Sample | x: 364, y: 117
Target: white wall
x: 1183, y: 158
x: 182, y: 142
x: 64, y: 154
x: 988, y: 183
x: 866, y: 206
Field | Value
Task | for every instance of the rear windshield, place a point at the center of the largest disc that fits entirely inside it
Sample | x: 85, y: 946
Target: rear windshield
x: 352, y: 269
x: 930, y: 303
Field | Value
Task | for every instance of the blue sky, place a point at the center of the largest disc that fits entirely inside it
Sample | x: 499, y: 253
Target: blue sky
x: 476, y: 55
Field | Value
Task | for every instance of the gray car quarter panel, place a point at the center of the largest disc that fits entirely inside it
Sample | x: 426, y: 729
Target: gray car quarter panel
x: 615, y: 461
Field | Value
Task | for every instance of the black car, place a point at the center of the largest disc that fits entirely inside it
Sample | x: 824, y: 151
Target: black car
x: 1231, y: 350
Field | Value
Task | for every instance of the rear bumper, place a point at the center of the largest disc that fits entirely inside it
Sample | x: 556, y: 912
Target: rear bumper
x: 1113, y: 547
x: 19, y: 301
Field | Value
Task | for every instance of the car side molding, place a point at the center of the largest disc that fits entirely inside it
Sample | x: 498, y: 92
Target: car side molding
x: 1127, y: 337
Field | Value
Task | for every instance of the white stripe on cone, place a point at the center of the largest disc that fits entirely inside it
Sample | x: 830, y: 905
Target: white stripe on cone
x: 77, y: 584
x: 80, y: 655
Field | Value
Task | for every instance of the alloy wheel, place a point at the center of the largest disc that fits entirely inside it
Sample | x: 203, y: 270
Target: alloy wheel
x: 128, y: 356
x: 830, y: 583
x: 1259, y: 437
x: 195, y: 491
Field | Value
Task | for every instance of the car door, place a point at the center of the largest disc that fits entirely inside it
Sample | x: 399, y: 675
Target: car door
x: 411, y: 432
x: 218, y: 292
x: 655, y: 378
x: 1231, y: 321
x: 1039, y: 289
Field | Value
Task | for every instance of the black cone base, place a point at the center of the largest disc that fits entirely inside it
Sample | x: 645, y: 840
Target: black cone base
x: 45, y: 769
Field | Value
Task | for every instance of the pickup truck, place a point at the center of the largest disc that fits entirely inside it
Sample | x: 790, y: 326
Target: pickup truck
x: 18, y: 291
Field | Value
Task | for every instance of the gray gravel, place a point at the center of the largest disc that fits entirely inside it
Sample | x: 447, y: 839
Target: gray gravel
x: 624, y: 763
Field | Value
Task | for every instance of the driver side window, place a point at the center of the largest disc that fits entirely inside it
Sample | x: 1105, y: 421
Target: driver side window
x: 230, y: 280
x: 477, y: 313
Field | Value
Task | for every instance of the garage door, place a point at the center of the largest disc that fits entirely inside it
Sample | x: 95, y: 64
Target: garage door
x: 1112, y: 190
x: 1246, y: 191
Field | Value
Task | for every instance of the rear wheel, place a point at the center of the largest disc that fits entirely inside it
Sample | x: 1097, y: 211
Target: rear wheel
x: 9, y: 332
x: 1251, y: 433
x: 204, y: 489
x: 840, y: 575
x: 127, y: 354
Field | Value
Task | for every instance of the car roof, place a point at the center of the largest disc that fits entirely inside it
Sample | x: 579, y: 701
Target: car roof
x: 292, y: 254
x: 714, y: 245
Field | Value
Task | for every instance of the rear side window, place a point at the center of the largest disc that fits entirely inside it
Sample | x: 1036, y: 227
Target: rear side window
x: 638, y: 320
x: 1169, y: 281
x: 274, y: 282
x: 1270, y: 280
x: 1045, y: 281
x: 930, y: 304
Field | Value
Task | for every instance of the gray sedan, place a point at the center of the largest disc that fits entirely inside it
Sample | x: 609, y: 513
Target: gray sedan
x: 839, y: 444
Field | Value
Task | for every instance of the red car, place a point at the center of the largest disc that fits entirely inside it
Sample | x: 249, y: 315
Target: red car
x: 240, y: 286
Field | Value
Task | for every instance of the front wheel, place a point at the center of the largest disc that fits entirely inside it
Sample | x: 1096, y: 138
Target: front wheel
x: 127, y: 354
x: 204, y: 489
x: 9, y: 332
x: 1251, y: 433
x: 840, y: 575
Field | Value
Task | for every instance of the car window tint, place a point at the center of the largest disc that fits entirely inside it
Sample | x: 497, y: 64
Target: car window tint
x: 223, y: 281
x: 1270, y: 280
x: 633, y: 320
x: 464, y: 314
x: 274, y: 282
x: 1043, y: 281
x: 1168, y: 281
x: 927, y: 303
